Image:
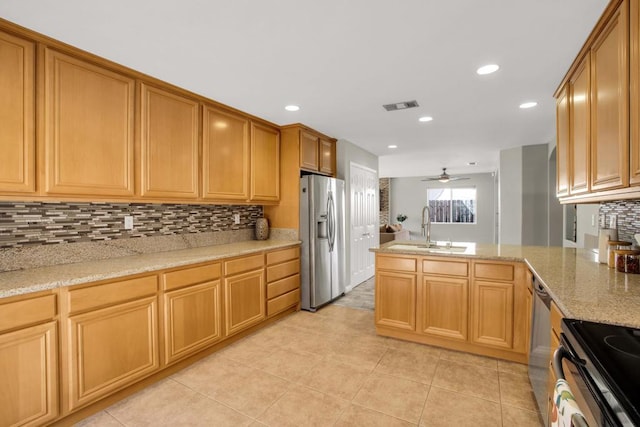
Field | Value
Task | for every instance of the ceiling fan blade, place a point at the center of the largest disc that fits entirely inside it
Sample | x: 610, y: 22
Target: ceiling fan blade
x: 457, y: 178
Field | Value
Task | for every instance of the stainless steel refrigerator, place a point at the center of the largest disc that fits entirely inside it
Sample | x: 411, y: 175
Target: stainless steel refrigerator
x: 322, y: 233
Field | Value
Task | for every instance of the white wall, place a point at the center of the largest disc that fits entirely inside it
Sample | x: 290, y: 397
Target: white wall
x: 586, y: 233
x: 409, y: 196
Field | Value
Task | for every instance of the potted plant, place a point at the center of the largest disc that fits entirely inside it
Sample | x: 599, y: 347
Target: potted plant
x: 401, y: 218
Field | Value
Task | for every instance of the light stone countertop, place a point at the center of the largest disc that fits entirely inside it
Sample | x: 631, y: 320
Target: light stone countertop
x: 25, y: 281
x: 580, y: 286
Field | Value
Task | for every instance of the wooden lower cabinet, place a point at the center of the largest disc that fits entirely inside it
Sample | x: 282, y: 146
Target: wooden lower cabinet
x: 29, y: 372
x: 283, y: 280
x: 62, y: 352
x: 476, y: 306
x: 244, y: 293
x: 110, y: 349
x: 193, y: 320
x: 444, y: 307
x: 396, y: 300
x: 492, y: 314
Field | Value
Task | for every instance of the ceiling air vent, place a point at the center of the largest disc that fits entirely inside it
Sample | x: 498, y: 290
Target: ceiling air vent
x: 401, y: 105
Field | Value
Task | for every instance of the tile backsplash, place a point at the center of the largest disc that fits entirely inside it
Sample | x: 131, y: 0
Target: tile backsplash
x: 26, y: 224
x: 628, y: 217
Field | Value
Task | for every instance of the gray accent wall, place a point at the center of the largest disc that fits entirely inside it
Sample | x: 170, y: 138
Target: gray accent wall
x: 524, y: 190
x: 347, y: 153
x: 409, y: 196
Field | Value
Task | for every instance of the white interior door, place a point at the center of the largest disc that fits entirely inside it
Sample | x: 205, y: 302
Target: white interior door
x: 364, y: 219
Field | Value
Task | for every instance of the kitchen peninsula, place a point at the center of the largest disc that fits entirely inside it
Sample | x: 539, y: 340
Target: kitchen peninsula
x: 478, y: 299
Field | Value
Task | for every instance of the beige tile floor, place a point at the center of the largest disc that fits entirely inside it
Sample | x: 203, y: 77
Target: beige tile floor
x: 330, y: 369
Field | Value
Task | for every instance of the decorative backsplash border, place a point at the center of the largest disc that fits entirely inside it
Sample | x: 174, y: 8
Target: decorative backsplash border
x: 26, y: 224
x: 628, y: 217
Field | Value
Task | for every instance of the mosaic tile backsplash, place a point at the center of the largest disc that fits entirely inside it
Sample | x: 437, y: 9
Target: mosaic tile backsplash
x: 628, y: 217
x: 31, y: 224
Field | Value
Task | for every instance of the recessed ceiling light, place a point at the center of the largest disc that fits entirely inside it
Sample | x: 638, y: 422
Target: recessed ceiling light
x: 425, y: 119
x: 487, y: 69
x: 528, y: 104
x: 292, y: 108
x: 392, y: 146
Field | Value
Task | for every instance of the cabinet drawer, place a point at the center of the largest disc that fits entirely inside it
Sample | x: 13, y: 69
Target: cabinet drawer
x: 283, y: 286
x: 283, y: 255
x: 396, y: 263
x: 190, y: 276
x: 27, y: 312
x: 449, y: 268
x: 283, y: 302
x: 277, y: 272
x: 111, y: 293
x: 493, y: 271
x: 247, y: 263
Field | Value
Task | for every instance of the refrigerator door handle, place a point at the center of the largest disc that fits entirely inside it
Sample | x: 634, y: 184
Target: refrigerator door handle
x: 331, y: 220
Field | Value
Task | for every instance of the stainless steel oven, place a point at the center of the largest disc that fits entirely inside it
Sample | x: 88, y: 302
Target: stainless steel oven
x: 602, y: 366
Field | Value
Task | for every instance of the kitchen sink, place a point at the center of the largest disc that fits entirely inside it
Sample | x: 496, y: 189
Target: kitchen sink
x: 431, y: 248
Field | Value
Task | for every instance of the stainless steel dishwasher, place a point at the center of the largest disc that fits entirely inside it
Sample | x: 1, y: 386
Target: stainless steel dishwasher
x: 540, y: 346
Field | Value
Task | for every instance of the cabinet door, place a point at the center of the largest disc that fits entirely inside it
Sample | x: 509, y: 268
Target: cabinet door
x: 111, y: 349
x: 562, y: 143
x: 169, y: 129
x: 309, y: 151
x: 265, y: 163
x: 609, y: 104
x: 192, y: 317
x: 88, y: 128
x: 444, y: 307
x: 17, y: 139
x: 396, y: 300
x: 327, y: 156
x: 579, y: 133
x: 245, y: 303
x: 29, y: 390
x: 225, y: 155
x: 492, y: 314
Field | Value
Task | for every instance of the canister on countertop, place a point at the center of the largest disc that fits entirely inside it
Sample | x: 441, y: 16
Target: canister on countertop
x: 613, y: 245
x: 605, y: 235
x: 627, y: 260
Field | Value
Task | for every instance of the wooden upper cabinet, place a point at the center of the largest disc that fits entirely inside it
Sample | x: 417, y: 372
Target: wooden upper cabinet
x: 579, y: 107
x: 169, y: 138
x: 88, y: 128
x: 265, y: 163
x: 225, y: 155
x: 562, y: 143
x: 634, y: 82
x: 17, y: 103
x: 609, y: 109
x: 327, y: 156
x: 309, y: 143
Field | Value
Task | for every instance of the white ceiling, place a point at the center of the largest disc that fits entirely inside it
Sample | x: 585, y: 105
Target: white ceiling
x: 341, y: 60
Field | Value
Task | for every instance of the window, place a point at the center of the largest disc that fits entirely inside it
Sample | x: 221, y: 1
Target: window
x: 452, y: 205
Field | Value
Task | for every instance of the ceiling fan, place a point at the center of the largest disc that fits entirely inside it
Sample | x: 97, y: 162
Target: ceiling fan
x: 445, y: 177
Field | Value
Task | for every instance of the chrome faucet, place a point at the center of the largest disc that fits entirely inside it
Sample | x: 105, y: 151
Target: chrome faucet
x: 426, y: 224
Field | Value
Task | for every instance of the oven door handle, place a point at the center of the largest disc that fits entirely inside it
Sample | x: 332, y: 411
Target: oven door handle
x: 577, y: 420
x: 563, y: 353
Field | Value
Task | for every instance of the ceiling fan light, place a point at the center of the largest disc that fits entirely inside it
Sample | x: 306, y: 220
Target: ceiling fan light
x: 443, y: 180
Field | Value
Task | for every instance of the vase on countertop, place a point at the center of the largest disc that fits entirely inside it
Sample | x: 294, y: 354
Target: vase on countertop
x: 262, y: 229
